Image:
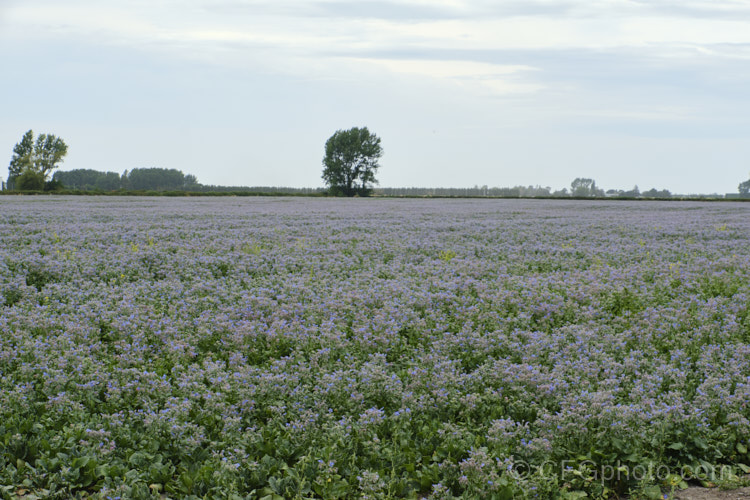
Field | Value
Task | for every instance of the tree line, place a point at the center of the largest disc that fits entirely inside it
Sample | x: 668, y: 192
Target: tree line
x: 351, y: 162
x: 159, y: 179
x: 580, y: 188
x: 349, y: 167
x: 137, y: 179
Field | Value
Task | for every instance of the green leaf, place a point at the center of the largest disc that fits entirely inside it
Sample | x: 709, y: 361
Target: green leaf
x: 653, y: 493
x: 676, y: 446
x: 741, y: 448
x: 700, y: 443
x: 574, y: 495
x: 79, y: 462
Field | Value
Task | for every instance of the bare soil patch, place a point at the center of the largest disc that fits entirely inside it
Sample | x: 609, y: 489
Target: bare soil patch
x: 697, y: 493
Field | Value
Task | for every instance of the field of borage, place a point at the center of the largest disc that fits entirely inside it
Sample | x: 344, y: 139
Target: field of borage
x: 319, y: 348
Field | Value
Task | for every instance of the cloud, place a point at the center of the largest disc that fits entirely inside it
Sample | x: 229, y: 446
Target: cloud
x: 482, y: 77
x: 563, y: 72
x: 572, y: 51
x: 421, y: 10
x: 337, y: 9
x: 569, y: 43
x: 725, y: 9
x: 464, y: 24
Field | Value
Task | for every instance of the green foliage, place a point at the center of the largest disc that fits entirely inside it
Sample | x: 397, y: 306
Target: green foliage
x: 350, y: 162
x: 160, y: 179
x: 88, y: 179
x: 38, y: 278
x: 190, y: 182
x: 49, y: 151
x: 719, y: 286
x: 53, y: 185
x: 11, y: 296
x: 220, y: 269
x: 656, y: 193
x: 32, y: 161
x: 138, y: 179
x: 30, y: 180
x: 585, y: 188
x: 744, y: 187
x: 22, y: 158
x: 622, y: 302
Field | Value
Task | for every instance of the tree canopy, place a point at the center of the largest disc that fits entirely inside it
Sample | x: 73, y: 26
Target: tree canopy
x: 744, y: 187
x: 351, y: 161
x: 33, y: 160
x: 138, y: 179
x: 22, y: 156
x: 582, y: 187
x: 88, y: 179
x: 159, y: 179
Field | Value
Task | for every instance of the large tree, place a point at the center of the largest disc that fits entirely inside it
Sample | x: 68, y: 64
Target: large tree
x: 351, y: 160
x: 744, y: 187
x: 35, y: 158
x: 22, y: 159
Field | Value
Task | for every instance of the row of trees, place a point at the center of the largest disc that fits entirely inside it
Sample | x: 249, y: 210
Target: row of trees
x: 158, y: 179
x: 479, y: 191
x: 351, y: 161
x: 269, y: 190
x: 525, y: 192
x: 349, y: 167
x: 138, y: 179
x: 34, y: 159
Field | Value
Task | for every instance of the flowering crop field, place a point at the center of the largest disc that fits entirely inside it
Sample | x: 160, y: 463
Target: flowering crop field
x: 371, y: 348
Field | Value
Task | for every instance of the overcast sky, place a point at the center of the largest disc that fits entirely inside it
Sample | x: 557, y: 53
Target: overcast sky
x: 246, y: 92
